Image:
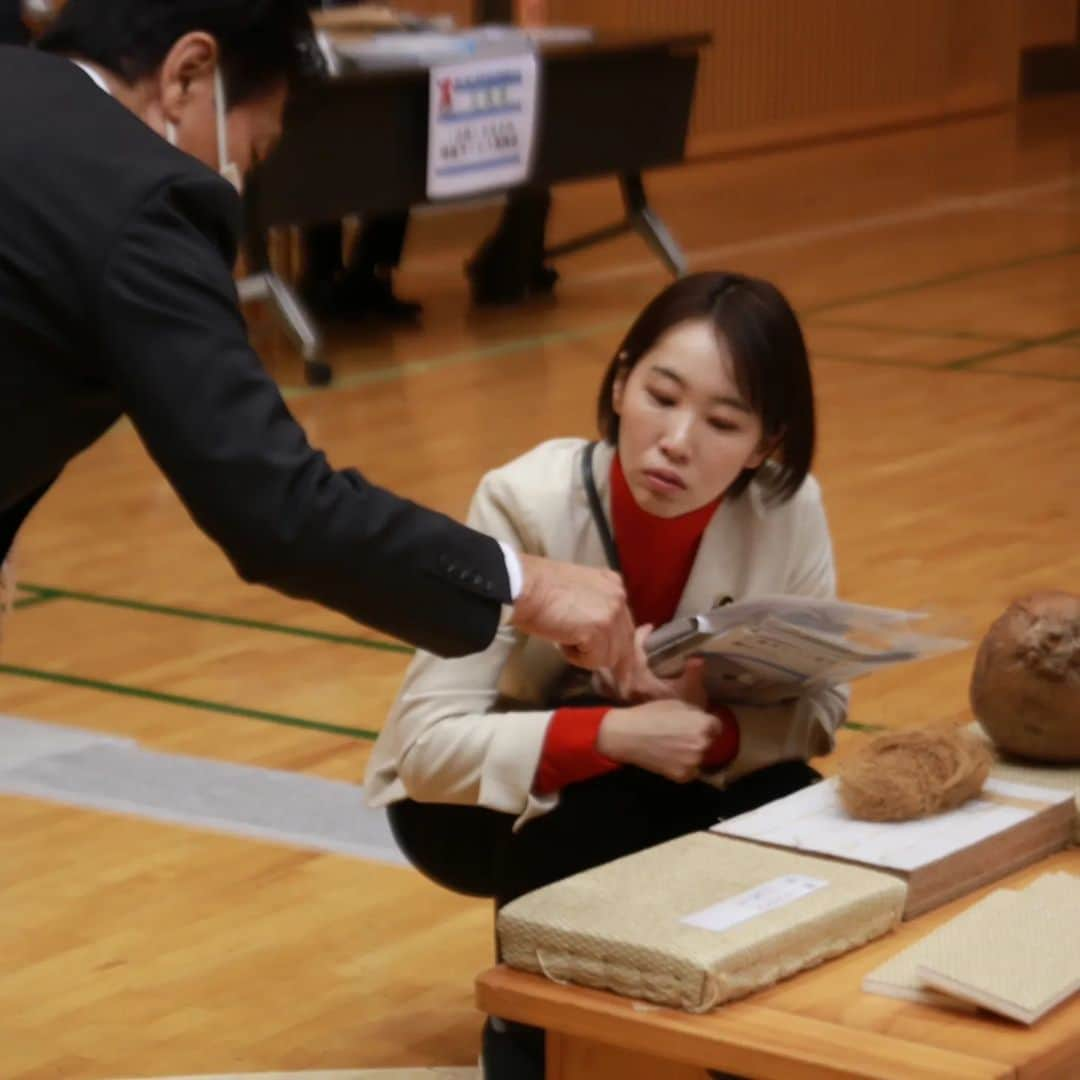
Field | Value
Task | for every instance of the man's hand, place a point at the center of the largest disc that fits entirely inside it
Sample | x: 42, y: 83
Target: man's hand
x: 665, y: 737
x: 578, y: 607
x: 636, y: 683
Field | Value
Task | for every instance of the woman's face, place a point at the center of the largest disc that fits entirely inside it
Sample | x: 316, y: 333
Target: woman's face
x: 685, y: 432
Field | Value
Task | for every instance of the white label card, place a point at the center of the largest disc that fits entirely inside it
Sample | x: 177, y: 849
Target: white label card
x: 768, y: 896
x: 482, y: 119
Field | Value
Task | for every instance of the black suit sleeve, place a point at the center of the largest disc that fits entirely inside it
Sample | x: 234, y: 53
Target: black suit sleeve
x: 12, y: 29
x: 173, y: 342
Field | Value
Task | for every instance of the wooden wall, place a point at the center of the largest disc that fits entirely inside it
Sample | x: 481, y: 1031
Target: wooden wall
x: 1049, y: 22
x: 785, y: 70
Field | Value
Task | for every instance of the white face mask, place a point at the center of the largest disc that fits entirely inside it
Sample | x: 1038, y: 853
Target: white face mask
x: 226, y: 166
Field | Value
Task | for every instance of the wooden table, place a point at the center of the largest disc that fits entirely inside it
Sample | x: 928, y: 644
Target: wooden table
x: 817, y: 1024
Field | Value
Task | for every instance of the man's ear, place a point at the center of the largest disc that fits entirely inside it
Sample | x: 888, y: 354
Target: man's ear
x: 191, y: 60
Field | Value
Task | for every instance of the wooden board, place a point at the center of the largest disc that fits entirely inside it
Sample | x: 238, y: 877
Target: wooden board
x: 940, y: 857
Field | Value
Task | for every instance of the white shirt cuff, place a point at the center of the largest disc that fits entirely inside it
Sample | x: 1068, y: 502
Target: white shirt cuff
x: 513, y: 570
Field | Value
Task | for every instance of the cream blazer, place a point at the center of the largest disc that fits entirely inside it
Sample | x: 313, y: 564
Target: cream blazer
x: 472, y: 730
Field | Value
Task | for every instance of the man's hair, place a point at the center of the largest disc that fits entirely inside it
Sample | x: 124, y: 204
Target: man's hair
x: 262, y: 42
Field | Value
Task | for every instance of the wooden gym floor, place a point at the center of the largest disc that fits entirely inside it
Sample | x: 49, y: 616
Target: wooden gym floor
x: 938, y: 275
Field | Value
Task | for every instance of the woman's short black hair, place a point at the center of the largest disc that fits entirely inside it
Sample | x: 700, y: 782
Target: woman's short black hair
x: 772, y: 369
x: 262, y: 42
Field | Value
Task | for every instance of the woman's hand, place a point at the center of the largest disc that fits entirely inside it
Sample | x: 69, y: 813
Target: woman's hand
x: 666, y: 737
x: 637, y: 683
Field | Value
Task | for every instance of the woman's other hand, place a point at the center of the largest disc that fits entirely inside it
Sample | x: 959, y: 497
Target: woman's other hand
x: 666, y: 736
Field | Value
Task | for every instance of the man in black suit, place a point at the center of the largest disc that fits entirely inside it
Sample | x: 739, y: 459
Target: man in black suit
x: 116, y: 297
x: 13, y: 30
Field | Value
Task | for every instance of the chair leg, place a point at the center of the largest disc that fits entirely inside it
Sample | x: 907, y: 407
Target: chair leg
x: 294, y: 317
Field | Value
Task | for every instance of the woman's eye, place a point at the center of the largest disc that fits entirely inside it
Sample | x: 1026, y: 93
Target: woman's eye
x: 723, y: 425
x: 661, y: 399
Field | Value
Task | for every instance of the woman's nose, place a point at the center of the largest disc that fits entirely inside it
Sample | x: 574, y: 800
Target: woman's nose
x: 675, y: 441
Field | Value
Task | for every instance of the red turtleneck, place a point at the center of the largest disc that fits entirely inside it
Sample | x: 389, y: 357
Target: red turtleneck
x: 656, y: 555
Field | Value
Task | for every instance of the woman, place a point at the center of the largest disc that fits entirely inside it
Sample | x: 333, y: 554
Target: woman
x: 700, y: 490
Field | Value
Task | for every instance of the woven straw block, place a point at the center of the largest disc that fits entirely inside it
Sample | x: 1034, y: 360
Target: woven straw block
x: 618, y: 927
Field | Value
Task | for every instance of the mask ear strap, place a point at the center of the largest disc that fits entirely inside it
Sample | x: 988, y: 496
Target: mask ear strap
x: 222, y: 129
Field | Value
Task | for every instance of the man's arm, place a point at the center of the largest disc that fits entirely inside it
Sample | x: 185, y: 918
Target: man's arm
x: 172, y: 341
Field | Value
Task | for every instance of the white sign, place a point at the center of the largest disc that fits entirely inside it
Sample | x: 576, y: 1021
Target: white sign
x: 482, y: 120
x: 779, y: 892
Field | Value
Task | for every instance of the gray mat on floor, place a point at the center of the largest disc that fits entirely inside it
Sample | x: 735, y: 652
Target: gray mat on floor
x: 100, y: 772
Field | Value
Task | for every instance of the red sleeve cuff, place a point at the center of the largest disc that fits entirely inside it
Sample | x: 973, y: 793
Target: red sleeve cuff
x: 570, y: 752
x: 726, y: 745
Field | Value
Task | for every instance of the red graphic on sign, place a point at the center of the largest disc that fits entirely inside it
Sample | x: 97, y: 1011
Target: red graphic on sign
x: 446, y: 95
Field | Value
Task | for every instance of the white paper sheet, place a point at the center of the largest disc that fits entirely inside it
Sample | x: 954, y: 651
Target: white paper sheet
x: 779, y: 892
x: 814, y: 820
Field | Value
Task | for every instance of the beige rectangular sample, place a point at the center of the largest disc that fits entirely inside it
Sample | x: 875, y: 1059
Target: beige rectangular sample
x: 622, y: 926
x: 1019, y: 958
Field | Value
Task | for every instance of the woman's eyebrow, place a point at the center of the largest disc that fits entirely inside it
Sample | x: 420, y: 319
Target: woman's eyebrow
x: 719, y: 399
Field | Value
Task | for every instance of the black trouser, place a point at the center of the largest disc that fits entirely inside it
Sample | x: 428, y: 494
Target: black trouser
x: 509, y: 264
x: 13, y: 517
x: 473, y: 850
x: 13, y: 30
x: 379, y: 245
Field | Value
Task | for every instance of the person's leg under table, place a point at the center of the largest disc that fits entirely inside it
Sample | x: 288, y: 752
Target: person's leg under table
x: 508, y: 267
x: 367, y: 286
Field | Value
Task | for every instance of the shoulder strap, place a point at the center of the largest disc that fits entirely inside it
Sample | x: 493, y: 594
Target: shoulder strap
x: 597, y: 508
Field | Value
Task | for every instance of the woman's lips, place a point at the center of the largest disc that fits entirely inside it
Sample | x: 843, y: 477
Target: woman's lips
x: 663, y: 481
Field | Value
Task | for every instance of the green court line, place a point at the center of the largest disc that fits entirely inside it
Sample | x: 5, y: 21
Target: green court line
x: 33, y: 600
x: 162, y: 698
x: 909, y: 331
x: 203, y: 705
x: 47, y: 592
x: 942, y: 279
x: 904, y: 365
x: 967, y: 362
x: 866, y: 729
x: 391, y: 372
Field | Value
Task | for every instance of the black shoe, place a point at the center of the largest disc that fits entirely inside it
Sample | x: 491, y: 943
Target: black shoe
x: 494, y: 286
x: 543, y: 280
x: 363, y: 294
x: 512, y: 1051
x: 321, y: 296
